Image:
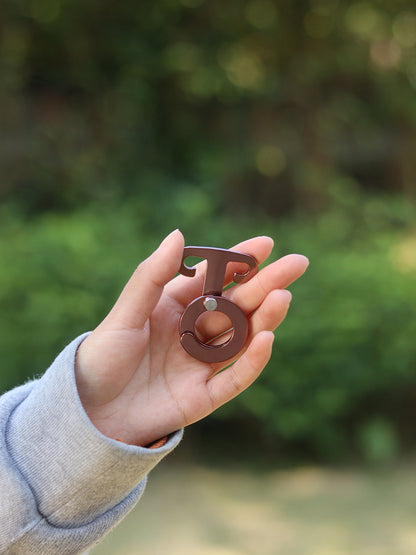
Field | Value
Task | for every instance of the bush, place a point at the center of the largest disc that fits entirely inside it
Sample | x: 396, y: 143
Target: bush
x: 344, y: 357
x: 346, y: 353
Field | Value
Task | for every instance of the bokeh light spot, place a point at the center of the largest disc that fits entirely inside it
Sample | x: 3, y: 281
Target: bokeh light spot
x: 270, y: 160
x: 404, y: 255
x: 366, y: 22
x: 404, y: 29
x: 385, y: 54
x: 243, y: 67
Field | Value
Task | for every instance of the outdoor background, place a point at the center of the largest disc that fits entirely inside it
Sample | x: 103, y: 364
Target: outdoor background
x: 120, y: 121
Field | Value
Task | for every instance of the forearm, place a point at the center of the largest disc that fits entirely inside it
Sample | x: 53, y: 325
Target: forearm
x: 63, y: 485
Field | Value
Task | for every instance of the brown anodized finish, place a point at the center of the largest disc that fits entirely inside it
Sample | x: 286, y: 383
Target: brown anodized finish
x: 211, y: 299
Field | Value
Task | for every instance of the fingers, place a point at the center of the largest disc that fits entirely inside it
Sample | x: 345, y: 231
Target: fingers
x: 184, y: 289
x: 233, y: 380
x: 250, y: 296
x: 271, y: 312
x: 278, y: 275
x: 142, y: 292
x: 268, y: 317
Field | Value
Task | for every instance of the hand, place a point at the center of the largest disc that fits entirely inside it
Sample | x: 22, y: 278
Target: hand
x: 135, y: 380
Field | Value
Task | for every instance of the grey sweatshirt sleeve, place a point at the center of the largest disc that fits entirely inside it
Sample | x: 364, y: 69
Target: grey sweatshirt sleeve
x: 63, y: 485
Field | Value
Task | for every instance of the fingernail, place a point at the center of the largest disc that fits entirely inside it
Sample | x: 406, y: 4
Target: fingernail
x: 288, y: 294
x: 270, y: 334
x: 168, y: 237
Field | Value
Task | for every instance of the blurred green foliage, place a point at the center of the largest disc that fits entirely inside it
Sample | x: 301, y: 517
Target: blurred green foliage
x: 344, y: 357
x: 260, y: 102
x: 119, y: 122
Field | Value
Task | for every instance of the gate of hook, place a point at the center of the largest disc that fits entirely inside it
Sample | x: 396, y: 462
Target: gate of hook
x: 211, y: 300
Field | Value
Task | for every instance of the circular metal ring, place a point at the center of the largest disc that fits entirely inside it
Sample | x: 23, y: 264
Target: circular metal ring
x: 213, y: 353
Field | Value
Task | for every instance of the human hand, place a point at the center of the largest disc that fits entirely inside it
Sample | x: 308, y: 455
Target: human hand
x: 135, y: 380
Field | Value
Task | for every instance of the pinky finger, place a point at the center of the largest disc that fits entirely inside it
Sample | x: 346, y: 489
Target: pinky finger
x: 229, y: 383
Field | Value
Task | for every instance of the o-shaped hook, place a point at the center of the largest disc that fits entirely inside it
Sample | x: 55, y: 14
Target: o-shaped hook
x: 213, y: 353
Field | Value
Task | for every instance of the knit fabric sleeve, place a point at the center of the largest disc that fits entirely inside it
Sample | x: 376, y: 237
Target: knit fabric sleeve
x: 63, y: 484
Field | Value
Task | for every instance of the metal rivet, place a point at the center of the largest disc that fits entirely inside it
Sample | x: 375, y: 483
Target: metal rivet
x: 210, y: 303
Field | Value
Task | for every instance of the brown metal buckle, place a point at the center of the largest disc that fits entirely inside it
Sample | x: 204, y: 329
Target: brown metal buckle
x: 211, y: 299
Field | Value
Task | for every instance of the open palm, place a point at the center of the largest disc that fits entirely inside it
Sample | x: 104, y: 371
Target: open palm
x: 135, y: 380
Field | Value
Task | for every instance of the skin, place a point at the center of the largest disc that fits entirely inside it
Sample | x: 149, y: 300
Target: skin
x: 135, y: 380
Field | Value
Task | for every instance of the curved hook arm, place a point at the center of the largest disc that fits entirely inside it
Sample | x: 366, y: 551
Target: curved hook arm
x: 217, y: 260
x: 235, y: 256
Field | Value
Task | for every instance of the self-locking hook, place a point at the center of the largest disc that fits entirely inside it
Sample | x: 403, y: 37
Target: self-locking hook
x: 212, y: 300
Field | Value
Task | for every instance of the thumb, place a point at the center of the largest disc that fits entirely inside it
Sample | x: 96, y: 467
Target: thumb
x: 143, y: 290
